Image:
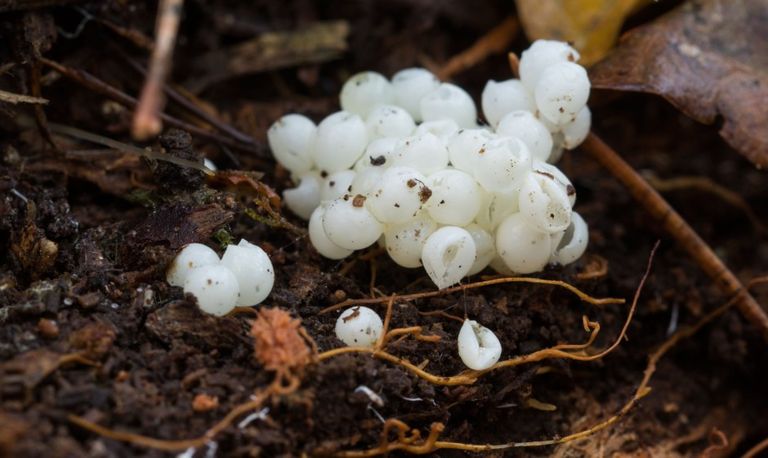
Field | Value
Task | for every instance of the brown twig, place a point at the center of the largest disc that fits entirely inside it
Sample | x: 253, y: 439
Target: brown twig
x: 92, y: 82
x: 497, y: 40
x: 676, y: 226
x: 480, y: 284
x: 180, y: 444
x: 146, y: 120
x: 705, y: 184
x: 189, y: 103
x: 757, y: 450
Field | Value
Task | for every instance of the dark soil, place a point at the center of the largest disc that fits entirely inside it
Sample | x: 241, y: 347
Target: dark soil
x: 117, y: 220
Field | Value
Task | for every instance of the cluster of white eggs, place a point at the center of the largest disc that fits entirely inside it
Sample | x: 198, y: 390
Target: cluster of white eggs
x: 406, y: 164
x: 243, y: 277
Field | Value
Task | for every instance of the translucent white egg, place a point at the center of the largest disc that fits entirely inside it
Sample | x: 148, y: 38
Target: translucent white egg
x: 400, y: 195
x: 377, y: 154
x: 464, y: 148
x: 502, y: 164
x: 495, y: 207
x: 449, y: 101
x: 523, y: 249
x: 365, y: 91
x: 359, y: 327
x: 291, y: 139
x: 562, y: 92
x: 320, y: 240
x: 337, y: 185
x: 410, y: 86
x: 367, y: 180
x: 304, y: 198
x: 405, y: 241
x: 484, y: 246
x: 191, y: 257
x: 253, y: 270
x: 500, y: 98
x: 455, y: 197
x: 448, y: 255
x: 424, y: 152
x: 479, y: 348
x: 577, y: 130
x: 389, y: 121
x: 444, y: 129
x: 215, y: 287
x: 500, y: 267
x: 544, y: 168
x: 544, y: 202
x: 349, y: 224
x: 340, y: 140
x: 573, y: 242
x: 540, y: 55
x: 525, y: 126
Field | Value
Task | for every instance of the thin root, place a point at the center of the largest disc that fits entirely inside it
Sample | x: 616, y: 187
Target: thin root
x: 480, y: 284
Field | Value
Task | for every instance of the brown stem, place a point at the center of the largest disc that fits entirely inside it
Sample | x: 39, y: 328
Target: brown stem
x: 146, y: 120
x: 497, y: 40
x: 90, y: 81
x: 678, y: 228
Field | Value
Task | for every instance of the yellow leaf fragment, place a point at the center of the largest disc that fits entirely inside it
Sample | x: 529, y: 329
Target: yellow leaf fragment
x: 592, y: 26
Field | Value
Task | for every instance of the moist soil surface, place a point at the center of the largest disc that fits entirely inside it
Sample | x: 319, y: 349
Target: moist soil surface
x: 89, y: 327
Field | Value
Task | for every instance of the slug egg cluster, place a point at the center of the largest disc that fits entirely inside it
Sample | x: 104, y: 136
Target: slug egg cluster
x: 244, y: 276
x: 406, y: 164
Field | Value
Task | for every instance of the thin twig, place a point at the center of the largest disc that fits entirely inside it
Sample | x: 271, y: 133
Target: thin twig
x: 126, y: 148
x: 705, y: 184
x: 92, y: 82
x: 496, y: 281
x: 146, y: 120
x: 497, y: 40
x: 678, y: 228
x: 189, y: 103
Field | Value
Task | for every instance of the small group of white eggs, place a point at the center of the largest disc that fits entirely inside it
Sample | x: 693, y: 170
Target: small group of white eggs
x: 478, y: 346
x: 243, y: 277
x: 406, y: 164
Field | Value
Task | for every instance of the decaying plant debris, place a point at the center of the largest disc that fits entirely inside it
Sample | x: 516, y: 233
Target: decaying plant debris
x: 100, y: 357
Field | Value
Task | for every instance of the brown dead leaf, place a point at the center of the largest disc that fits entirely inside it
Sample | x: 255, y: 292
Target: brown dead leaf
x: 591, y: 25
x: 318, y: 42
x: 708, y: 58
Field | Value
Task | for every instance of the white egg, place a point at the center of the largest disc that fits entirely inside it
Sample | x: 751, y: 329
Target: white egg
x: 523, y: 249
x: 320, y: 239
x: 340, y: 140
x: 389, y: 121
x: 253, y: 270
x: 349, y: 224
x: 365, y: 91
x: 189, y: 258
x: 500, y: 98
x: 304, y: 198
x: 215, y: 287
x: 449, y: 101
x: 291, y: 139
x: 410, y: 86
x: 359, y: 327
x: 455, y: 199
x: 448, y: 255
x: 404, y: 241
x: 399, y: 196
x: 479, y: 348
